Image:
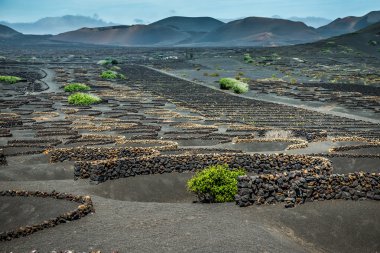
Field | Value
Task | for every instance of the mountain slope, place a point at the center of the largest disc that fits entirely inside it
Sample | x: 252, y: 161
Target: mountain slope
x: 10, y: 37
x: 262, y: 31
x: 365, y: 40
x: 349, y: 24
x: 136, y: 35
x: 7, y: 32
x: 190, y: 24
x: 55, y: 25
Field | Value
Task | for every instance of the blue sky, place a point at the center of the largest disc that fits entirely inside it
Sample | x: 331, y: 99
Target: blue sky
x: 128, y: 11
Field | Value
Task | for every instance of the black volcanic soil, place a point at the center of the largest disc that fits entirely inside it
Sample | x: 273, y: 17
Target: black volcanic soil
x: 16, y: 212
x: 132, y: 214
x: 329, y: 226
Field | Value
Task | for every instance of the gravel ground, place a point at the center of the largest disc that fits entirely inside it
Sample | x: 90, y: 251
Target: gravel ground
x: 329, y: 226
x: 129, y: 218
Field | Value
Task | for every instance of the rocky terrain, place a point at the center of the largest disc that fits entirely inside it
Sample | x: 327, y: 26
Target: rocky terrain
x: 126, y: 160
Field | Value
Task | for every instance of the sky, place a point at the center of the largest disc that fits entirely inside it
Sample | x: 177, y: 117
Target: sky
x: 146, y: 11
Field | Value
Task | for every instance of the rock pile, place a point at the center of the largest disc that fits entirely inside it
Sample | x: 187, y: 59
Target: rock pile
x: 302, y: 186
x: 83, y: 209
x: 259, y: 163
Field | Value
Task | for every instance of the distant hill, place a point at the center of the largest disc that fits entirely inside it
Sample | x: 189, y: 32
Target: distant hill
x: 55, y: 25
x: 349, y: 24
x: 202, y: 31
x: 7, y: 32
x: 256, y: 31
x: 365, y: 40
x: 191, y: 24
x: 136, y: 35
x: 10, y: 37
x: 166, y: 32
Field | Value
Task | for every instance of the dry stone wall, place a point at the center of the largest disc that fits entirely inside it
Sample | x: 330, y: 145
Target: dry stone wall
x: 85, y: 207
x: 97, y: 153
x: 300, y: 186
x: 103, y: 170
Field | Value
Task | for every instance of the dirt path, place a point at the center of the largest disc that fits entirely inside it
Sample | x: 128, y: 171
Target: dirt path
x: 49, y: 80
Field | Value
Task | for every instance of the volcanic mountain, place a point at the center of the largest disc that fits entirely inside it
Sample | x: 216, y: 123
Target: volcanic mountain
x: 135, y: 35
x: 205, y: 31
x: 349, y: 24
x: 365, y: 40
x: 191, y: 24
x: 256, y: 31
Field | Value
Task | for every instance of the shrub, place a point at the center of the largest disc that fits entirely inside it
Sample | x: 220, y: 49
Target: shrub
x: 107, y: 62
x: 83, y: 99
x: 110, y: 74
x: 233, y: 84
x: 10, y: 79
x: 215, y: 184
x: 248, y: 58
x: 72, y: 87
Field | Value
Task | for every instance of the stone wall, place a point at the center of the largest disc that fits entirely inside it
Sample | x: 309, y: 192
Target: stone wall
x: 354, y: 147
x: 97, y: 153
x: 302, y: 186
x: 259, y: 163
x: 83, y: 209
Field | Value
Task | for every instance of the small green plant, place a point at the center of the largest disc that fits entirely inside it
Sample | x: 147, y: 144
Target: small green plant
x: 215, y: 184
x: 216, y: 74
x: 72, y: 87
x: 233, y: 84
x: 247, y: 58
x: 372, y: 42
x: 10, y: 79
x: 110, y: 74
x: 107, y: 62
x: 293, y: 81
x: 83, y: 99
